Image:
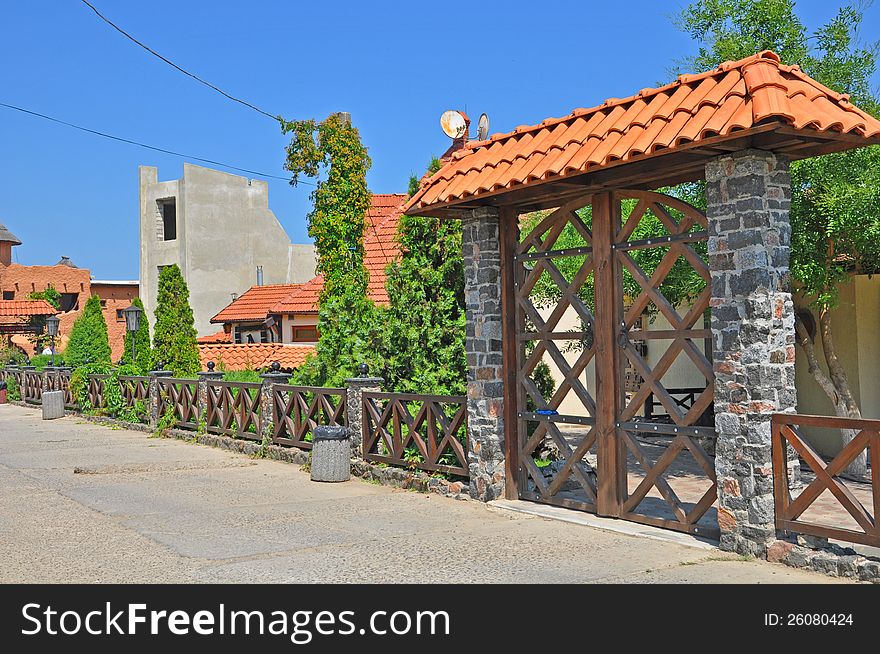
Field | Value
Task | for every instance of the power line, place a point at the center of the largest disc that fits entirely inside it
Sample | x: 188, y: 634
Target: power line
x: 149, y: 147
x: 175, y: 66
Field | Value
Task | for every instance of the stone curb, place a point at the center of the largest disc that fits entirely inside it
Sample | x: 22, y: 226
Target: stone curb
x: 386, y: 476
x: 833, y: 560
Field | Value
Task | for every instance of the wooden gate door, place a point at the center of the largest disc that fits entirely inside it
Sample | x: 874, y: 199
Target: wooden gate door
x: 614, y: 382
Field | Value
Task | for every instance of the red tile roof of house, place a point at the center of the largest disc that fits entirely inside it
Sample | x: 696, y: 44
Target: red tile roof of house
x: 25, y: 308
x: 218, y: 337
x: 736, y: 96
x: 254, y: 303
x: 244, y: 356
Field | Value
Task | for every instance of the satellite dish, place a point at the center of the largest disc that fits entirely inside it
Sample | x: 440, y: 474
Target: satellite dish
x: 483, y: 128
x: 453, y: 124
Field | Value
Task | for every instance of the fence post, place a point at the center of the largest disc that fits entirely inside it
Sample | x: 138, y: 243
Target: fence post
x: 154, y: 392
x: 202, y: 394
x: 354, y: 410
x: 267, y: 401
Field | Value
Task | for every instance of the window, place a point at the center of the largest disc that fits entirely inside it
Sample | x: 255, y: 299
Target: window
x: 69, y: 301
x: 103, y: 304
x: 305, y: 334
x: 8, y: 295
x: 168, y: 212
x: 120, y: 317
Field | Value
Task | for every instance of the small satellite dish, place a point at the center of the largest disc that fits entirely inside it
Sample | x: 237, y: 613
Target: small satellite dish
x: 483, y: 128
x: 453, y: 124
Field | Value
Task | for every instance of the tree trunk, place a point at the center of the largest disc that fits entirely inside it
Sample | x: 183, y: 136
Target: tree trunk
x: 835, y: 385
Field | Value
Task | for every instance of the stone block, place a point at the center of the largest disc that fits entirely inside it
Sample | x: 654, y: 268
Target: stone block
x: 53, y: 405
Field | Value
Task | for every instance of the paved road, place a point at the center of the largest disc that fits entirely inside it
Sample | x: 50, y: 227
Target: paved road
x: 86, y: 503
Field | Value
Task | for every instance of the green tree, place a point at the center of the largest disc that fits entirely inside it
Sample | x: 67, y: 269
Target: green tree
x: 425, y: 325
x: 834, y: 213
x: 332, y: 152
x: 141, y: 338
x: 174, y: 333
x: 88, y: 342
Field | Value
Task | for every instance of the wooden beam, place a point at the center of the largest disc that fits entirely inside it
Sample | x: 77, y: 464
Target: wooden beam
x: 508, y: 234
x: 611, y: 472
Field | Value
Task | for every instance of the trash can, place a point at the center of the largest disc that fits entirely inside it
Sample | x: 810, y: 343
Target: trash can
x: 331, y: 454
x: 2, y: 392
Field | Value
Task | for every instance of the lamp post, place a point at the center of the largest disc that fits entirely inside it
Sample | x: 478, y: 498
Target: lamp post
x: 132, y: 324
x: 52, y: 329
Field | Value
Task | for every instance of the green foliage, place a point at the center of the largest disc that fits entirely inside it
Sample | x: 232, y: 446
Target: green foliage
x: 834, y: 209
x: 352, y: 331
x: 13, y: 354
x: 88, y: 342
x: 51, y: 295
x: 249, y: 375
x: 174, y: 336
x: 13, y: 392
x: 79, y: 384
x: 40, y: 361
x: 336, y: 222
x: 141, y: 338
x: 425, y: 322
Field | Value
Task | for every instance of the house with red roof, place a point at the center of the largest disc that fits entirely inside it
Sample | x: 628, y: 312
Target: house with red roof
x: 281, y: 320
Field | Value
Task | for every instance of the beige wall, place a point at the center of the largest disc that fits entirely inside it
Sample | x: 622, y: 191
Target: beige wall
x: 854, y: 324
x: 288, y: 322
x: 225, y: 229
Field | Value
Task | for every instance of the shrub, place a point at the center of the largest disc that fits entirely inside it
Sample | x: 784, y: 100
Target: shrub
x: 40, y: 361
x: 88, y: 343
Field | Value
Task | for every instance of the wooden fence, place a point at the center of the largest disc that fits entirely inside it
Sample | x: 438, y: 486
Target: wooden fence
x: 181, y: 397
x: 427, y: 432
x: 297, y: 410
x: 234, y: 409
x: 424, y: 432
x: 827, y: 520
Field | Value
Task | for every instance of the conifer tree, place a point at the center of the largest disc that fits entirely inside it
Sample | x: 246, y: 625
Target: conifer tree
x: 88, y: 342
x: 174, y: 335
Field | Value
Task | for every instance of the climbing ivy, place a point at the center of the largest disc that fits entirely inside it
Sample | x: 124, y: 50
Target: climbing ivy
x: 332, y: 152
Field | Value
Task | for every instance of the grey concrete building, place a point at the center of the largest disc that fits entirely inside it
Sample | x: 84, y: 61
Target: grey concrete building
x: 218, y: 229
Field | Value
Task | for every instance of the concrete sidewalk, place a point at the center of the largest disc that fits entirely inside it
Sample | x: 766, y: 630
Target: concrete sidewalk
x: 81, y: 502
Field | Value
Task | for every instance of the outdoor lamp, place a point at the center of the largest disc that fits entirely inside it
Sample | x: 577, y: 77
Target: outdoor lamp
x: 132, y: 324
x: 52, y: 323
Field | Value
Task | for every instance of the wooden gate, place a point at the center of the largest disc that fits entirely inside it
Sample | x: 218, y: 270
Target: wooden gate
x: 611, y: 299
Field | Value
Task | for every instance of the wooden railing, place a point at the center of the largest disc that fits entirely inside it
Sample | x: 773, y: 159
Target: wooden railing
x: 861, y: 523
x: 134, y: 389
x: 427, y: 432
x: 181, y: 395
x: 32, y: 386
x: 60, y: 381
x: 234, y: 409
x: 297, y: 410
x: 97, y: 385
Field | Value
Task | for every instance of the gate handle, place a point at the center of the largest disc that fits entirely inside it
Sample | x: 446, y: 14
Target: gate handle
x: 623, y: 338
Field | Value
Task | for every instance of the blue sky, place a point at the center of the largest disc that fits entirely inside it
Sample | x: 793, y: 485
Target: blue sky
x: 394, y: 66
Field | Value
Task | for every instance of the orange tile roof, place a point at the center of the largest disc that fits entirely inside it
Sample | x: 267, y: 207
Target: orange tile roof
x: 254, y: 303
x: 218, y: 337
x: 23, y: 308
x: 736, y: 96
x: 243, y: 356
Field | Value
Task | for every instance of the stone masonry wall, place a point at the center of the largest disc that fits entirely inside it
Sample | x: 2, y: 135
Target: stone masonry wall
x: 749, y: 196
x: 485, y: 386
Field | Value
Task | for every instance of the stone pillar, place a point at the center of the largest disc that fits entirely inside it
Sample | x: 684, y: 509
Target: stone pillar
x: 154, y: 393
x: 748, y: 199
x: 354, y: 407
x: 202, y: 395
x: 485, y: 386
x: 267, y: 401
